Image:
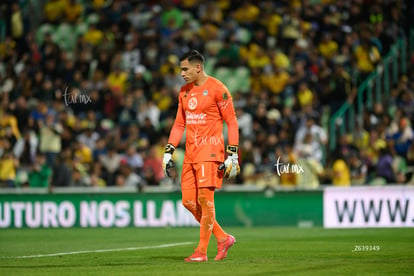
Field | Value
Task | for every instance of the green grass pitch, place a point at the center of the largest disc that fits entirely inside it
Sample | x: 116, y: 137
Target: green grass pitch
x: 161, y: 251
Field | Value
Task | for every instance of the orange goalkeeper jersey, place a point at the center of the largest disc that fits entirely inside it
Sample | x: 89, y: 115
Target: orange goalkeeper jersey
x: 201, y: 112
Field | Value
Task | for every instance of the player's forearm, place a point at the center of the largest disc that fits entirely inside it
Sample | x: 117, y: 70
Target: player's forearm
x: 176, y: 134
x: 229, y: 116
x: 178, y: 127
x: 233, y: 131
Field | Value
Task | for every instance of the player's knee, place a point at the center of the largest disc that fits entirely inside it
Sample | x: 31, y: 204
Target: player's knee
x: 205, y: 195
x: 205, y: 202
x: 201, y: 200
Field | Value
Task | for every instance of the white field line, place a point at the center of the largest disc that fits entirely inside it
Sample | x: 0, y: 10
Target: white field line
x: 97, y: 251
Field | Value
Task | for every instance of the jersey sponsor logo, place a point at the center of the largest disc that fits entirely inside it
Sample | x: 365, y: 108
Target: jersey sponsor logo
x: 192, y: 103
x: 205, y: 92
x: 195, y: 118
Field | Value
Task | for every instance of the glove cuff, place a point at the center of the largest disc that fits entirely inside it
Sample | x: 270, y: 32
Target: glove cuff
x: 231, y: 149
x: 169, y: 149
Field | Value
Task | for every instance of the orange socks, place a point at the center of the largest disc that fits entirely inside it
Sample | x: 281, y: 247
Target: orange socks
x: 208, y: 217
x: 204, y: 211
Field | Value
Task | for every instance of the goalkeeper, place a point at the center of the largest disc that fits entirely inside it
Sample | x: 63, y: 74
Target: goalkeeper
x: 203, y: 103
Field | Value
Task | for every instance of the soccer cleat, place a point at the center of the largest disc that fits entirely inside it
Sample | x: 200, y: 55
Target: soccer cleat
x: 223, y: 247
x: 197, y: 257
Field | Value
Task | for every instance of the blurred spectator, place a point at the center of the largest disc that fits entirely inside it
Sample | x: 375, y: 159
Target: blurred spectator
x: 312, y: 172
x: 82, y: 153
x: 399, y: 166
x: 100, y: 149
x: 340, y: 174
x: 117, y: 81
x: 245, y: 121
x: 138, y: 80
x: 319, y: 136
x: 17, y: 27
x: 328, y: 47
x: 126, y: 136
x: 228, y: 55
x: 21, y: 111
x: 259, y: 118
x: 266, y: 171
x: 277, y: 80
x: 152, y: 169
x: 89, y: 137
x: 128, y: 178
x: 93, y: 36
x: 8, y: 125
x: 133, y: 158
x: 25, y: 149
x: 73, y: 11
x: 147, y: 124
x: 53, y: 11
x: 384, y: 169
x: 344, y: 88
x: 286, y: 160
x: 305, y: 96
x: 309, y: 178
x: 62, y: 171
x: 367, y: 56
x: 131, y: 56
x: 259, y: 59
x: 402, y: 139
x: 273, y: 121
x: 246, y: 14
x: 50, y: 136
x: 80, y: 176
x: 40, y: 173
x: 358, y: 169
x: 111, y: 160
x: 8, y: 169
x: 410, y: 155
x: 97, y: 177
x: 376, y: 143
x: 49, y: 49
x: 360, y: 136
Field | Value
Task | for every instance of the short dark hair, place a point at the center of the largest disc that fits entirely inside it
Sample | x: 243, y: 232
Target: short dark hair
x: 193, y: 55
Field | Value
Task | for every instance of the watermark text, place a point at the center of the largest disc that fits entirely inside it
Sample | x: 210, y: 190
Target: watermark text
x: 75, y: 96
x: 284, y: 168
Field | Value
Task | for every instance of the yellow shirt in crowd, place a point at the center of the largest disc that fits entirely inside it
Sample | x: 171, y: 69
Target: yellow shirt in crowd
x: 276, y: 82
x: 366, y: 59
x: 341, y: 175
x: 117, y: 81
x: 7, y: 169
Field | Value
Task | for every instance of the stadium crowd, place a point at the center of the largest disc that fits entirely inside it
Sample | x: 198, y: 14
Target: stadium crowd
x: 89, y: 92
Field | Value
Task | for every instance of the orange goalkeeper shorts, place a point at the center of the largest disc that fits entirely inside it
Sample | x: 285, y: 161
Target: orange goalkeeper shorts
x: 201, y: 175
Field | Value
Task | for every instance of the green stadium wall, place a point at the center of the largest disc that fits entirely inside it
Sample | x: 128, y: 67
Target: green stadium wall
x: 157, y: 210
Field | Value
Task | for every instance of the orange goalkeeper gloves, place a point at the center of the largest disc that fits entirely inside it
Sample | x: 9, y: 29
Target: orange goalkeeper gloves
x: 231, y: 164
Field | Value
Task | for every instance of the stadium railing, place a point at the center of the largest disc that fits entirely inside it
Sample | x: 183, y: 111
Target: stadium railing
x: 375, y: 89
